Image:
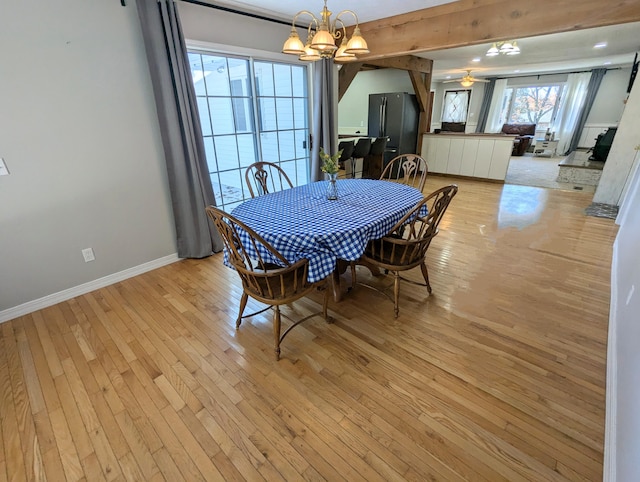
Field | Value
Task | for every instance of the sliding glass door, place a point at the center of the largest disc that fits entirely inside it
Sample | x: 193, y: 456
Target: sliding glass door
x: 250, y: 110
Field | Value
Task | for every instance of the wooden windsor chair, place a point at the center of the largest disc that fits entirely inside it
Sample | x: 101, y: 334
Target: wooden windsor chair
x: 265, y: 177
x: 266, y: 275
x: 405, y: 246
x: 409, y: 169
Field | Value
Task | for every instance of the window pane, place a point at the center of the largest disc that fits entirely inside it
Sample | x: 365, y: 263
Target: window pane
x: 210, y: 153
x: 286, y: 141
x: 239, y: 75
x: 203, y: 112
x: 246, y: 150
x: 300, y: 113
x: 290, y: 169
x: 267, y: 113
x: 299, y: 81
x: 215, y: 182
x: 534, y: 105
x: 197, y: 74
x: 231, y: 186
x: 221, y: 115
x: 302, y: 173
x: 226, y: 152
x: 456, y: 105
x: 269, y: 143
x: 301, y: 143
x: 282, y: 75
x: 242, y: 113
x: 284, y: 109
x: 264, y: 78
x: 216, y: 75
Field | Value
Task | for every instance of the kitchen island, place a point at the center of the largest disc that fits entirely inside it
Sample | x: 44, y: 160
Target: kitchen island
x: 484, y: 156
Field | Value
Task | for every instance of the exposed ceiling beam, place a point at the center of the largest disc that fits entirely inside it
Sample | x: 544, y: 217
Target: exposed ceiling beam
x: 422, y: 87
x: 346, y: 75
x: 405, y: 62
x: 470, y: 22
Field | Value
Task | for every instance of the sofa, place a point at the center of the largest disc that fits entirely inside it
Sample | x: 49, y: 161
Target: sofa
x: 453, y: 126
x: 524, y: 136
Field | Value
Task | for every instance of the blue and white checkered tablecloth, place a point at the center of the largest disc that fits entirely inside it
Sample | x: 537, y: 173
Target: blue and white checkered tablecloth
x: 302, y: 223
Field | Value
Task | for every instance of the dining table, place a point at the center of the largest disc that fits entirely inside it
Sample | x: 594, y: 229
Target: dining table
x: 302, y: 223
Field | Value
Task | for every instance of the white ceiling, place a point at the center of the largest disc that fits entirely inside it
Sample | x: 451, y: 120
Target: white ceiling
x: 561, y: 52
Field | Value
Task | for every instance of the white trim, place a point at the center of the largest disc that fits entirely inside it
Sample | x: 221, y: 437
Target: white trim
x: 611, y: 410
x: 243, y: 51
x: 49, y: 300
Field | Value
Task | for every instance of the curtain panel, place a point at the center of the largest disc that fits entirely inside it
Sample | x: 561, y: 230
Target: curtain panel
x: 324, y: 115
x: 592, y: 91
x: 494, y: 117
x: 570, y: 108
x: 486, y: 105
x: 187, y: 170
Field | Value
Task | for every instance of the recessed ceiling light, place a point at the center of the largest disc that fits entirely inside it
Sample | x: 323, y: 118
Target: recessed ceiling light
x: 600, y: 45
x: 516, y: 71
x: 607, y: 63
x: 448, y: 77
x: 477, y: 59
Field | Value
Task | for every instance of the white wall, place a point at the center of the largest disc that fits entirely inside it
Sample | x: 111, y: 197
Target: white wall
x: 78, y: 131
x: 620, y: 159
x: 622, y: 443
x: 217, y: 26
x: 608, y: 104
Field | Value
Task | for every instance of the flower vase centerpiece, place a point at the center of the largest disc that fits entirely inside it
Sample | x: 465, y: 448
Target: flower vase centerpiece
x: 330, y: 168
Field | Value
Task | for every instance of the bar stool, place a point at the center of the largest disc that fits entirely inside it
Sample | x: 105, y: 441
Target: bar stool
x: 361, y: 150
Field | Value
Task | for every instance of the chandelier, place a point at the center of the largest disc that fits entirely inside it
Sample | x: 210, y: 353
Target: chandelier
x: 322, y: 35
x: 509, y: 47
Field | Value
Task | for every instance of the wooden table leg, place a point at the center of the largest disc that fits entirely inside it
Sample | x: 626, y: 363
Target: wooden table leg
x: 335, y: 285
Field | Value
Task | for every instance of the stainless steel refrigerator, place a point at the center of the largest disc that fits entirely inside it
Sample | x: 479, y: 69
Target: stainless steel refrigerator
x: 396, y: 117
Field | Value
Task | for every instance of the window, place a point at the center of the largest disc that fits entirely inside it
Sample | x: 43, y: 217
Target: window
x: 250, y: 110
x: 531, y: 105
x: 456, y: 105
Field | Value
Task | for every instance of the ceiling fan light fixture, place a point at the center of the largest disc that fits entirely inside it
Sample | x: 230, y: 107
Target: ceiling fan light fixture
x: 515, y: 50
x: 508, y: 47
x: 493, y: 51
x: 466, y: 83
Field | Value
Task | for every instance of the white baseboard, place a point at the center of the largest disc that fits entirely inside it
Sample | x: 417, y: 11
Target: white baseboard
x: 49, y: 300
x: 611, y: 412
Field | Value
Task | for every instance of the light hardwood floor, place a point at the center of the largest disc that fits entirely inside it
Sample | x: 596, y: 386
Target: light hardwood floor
x: 499, y: 375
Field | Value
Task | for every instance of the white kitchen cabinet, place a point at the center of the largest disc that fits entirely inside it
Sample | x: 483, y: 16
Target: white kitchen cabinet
x: 483, y: 156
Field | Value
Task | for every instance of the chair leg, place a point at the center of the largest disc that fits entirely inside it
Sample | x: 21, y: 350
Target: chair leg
x: 325, y: 303
x: 243, y: 304
x: 396, y: 292
x: 425, y: 274
x: 353, y: 274
x: 276, y: 331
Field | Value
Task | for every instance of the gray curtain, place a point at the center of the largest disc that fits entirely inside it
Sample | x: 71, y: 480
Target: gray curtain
x: 592, y: 90
x: 189, y: 180
x: 324, y: 115
x: 486, y: 105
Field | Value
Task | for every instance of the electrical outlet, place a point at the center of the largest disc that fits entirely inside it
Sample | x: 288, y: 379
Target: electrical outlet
x: 4, y: 170
x: 88, y: 255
